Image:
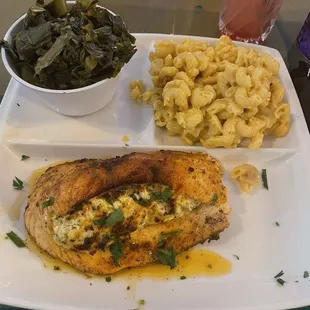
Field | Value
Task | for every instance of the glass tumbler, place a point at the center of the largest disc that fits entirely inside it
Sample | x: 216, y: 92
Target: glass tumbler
x: 248, y: 20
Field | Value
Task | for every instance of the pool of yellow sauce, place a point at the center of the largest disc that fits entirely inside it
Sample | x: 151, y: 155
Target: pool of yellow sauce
x: 193, y: 263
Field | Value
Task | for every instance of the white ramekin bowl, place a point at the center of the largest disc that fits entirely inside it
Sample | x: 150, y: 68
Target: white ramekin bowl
x: 73, y: 102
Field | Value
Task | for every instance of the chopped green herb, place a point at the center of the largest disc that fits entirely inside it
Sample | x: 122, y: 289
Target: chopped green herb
x: 116, y: 250
x: 104, y: 241
x: 182, y: 277
x: 128, y: 288
x: 165, y: 236
x: 56, y: 268
x: 210, y: 266
x: 49, y: 202
x: 18, y: 104
x: 296, y: 281
x: 25, y: 157
x: 141, y: 302
x: 236, y: 256
x: 108, y: 279
x: 109, y: 200
x: 280, y: 281
x: 167, y: 257
x: 214, y: 199
x: 112, y: 219
x: 95, y: 175
x: 6, y: 237
x: 99, y: 222
x: 280, y: 274
x: 166, y: 194
x: 142, y: 202
x: 277, y: 224
x: 306, y: 274
x: 18, y: 184
x: 264, y: 179
x: 15, y: 239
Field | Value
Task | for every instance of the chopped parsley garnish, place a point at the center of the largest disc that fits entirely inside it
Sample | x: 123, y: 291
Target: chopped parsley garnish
x: 15, y: 239
x: 210, y: 266
x: 25, y: 157
x: 214, y: 199
x: 264, y: 179
x: 116, y: 250
x: 108, y: 279
x: 142, y: 202
x: 112, y: 219
x: 18, y: 184
x: 277, y: 224
x: 49, y: 202
x: 95, y: 175
x: 236, y: 256
x: 18, y: 104
x: 56, y: 268
x: 109, y: 200
x: 306, y: 274
x: 280, y: 274
x: 165, y: 235
x: 167, y: 257
x: 141, y: 302
x: 104, y: 241
x: 182, y: 277
x: 280, y: 281
x: 166, y: 194
x: 99, y: 222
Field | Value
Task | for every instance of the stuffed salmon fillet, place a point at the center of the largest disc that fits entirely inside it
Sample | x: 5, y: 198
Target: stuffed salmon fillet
x: 103, y: 215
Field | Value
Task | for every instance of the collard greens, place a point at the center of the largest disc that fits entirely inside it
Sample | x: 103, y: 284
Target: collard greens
x: 61, y: 49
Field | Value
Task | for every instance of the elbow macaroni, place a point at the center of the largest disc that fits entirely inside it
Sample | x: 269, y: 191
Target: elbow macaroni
x: 247, y: 176
x: 216, y: 95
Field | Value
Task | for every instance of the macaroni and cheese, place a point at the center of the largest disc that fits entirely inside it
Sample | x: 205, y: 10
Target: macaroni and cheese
x: 217, y: 95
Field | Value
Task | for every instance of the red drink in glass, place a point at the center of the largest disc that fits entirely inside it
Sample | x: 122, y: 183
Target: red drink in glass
x: 248, y: 20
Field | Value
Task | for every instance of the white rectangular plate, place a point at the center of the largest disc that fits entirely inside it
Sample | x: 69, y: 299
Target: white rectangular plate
x: 264, y: 248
